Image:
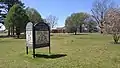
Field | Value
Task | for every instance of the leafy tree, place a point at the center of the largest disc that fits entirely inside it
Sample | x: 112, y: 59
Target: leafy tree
x: 112, y: 25
x: 33, y: 15
x: 75, y: 21
x: 99, y: 9
x: 17, y: 18
x: 70, y: 26
x: 91, y: 24
x: 5, y: 6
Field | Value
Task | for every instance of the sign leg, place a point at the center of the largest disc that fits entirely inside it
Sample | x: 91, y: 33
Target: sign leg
x: 49, y: 50
x: 33, y: 52
x: 26, y: 49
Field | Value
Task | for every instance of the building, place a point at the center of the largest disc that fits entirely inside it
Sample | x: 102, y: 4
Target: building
x: 58, y: 30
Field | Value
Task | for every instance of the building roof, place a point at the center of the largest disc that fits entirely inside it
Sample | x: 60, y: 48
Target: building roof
x: 58, y: 28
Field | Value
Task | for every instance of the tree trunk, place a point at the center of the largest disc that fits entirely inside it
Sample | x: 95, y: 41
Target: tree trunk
x: 25, y: 34
x: 18, y: 36
x: 18, y: 32
x: 8, y: 31
x: 90, y: 31
x: 101, y: 27
x: 80, y: 28
x: 75, y: 32
x: 13, y: 31
x: 101, y: 31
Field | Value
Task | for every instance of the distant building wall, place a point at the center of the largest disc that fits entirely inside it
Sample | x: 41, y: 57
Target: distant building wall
x: 58, y: 30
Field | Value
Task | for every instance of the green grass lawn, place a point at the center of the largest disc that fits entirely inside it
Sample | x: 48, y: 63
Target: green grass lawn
x: 79, y: 51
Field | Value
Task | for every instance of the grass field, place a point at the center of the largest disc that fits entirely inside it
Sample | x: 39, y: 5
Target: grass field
x: 68, y: 51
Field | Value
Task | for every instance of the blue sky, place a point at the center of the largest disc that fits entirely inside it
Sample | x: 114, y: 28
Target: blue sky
x: 60, y: 8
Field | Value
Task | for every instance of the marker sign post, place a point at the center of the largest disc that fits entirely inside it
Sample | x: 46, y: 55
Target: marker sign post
x: 38, y: 36
x: 29, y: 36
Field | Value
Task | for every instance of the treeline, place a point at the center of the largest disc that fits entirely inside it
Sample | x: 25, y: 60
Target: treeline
x: 105, y: 14
x: 77, y: 22
x: 14, y: 15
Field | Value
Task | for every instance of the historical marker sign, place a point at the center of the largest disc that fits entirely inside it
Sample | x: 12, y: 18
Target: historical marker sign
x: 29, y: 35
x: 42, y: 35
x: 37, y: 36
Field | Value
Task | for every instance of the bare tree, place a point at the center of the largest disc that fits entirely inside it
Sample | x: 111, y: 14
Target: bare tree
x: 112, y: 18
x: 51, y: 20
x: 99, y: 9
